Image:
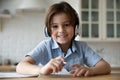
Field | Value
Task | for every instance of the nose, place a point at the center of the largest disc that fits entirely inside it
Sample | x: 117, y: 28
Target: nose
x: 61, y: 29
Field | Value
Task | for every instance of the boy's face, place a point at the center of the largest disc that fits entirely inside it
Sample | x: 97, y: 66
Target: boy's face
x: 61, y: 28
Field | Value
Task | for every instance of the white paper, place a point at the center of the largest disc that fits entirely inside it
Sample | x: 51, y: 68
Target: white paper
x: 13, y: 75
x: 63, y: 73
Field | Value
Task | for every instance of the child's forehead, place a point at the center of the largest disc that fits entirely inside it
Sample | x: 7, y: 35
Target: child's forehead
x: 61, y: 19
x: 64, y: 16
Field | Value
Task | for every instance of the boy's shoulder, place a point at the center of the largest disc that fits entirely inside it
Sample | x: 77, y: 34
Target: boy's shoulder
x: 80, y: 42
x: 46, y: 40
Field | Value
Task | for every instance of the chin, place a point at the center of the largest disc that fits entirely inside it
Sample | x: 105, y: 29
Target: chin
x: 62, y: 42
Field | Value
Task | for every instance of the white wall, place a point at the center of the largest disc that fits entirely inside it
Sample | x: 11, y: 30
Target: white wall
x: 20, y: 34
x: 110, y: 51
x: 24, y: 31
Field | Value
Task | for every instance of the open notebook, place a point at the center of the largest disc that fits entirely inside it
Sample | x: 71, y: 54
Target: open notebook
x: 64, y: 73
x: 13, y: 75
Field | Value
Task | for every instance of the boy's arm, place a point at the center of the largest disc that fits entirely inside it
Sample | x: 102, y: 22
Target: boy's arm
x: 102, y: 67
x: 26, y: 66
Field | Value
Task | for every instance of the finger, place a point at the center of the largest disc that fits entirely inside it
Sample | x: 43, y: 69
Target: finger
x: 58, y: 66
x: 57, y: 63
x: 64, y: 63
x: 53, y: 67
x: 62, y: 59
x: 75, y: 66
x: 72, y: 71
x: 59, y: 57
x: 75, y: 72
x: 88, y: 73
x: 81, y: 72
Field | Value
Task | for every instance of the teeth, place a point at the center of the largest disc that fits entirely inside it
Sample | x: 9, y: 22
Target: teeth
x: 62, y: 36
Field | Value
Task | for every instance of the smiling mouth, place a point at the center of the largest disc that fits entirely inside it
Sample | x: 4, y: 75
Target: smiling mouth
x: 62, y: 36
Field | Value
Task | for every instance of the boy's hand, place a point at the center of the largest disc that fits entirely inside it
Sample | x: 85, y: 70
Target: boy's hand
x: 81, y: 71
x: 54, y: 65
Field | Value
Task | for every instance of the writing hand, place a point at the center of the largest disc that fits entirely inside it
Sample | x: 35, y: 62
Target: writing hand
x: 54, y: 65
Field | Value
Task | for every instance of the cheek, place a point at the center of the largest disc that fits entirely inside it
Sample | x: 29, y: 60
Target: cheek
x: 71, y: 31
x: 53, y: 32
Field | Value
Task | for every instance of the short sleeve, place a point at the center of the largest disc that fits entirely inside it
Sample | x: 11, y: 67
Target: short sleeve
x: 39, y: 53
x: 91, y: 57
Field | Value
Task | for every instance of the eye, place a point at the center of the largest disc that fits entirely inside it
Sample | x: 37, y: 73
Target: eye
x: 54, y: 26
x: 67, y: 24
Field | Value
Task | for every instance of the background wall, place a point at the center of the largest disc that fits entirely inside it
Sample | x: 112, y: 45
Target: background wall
x: 110, y: 51
x: 21, y: 33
